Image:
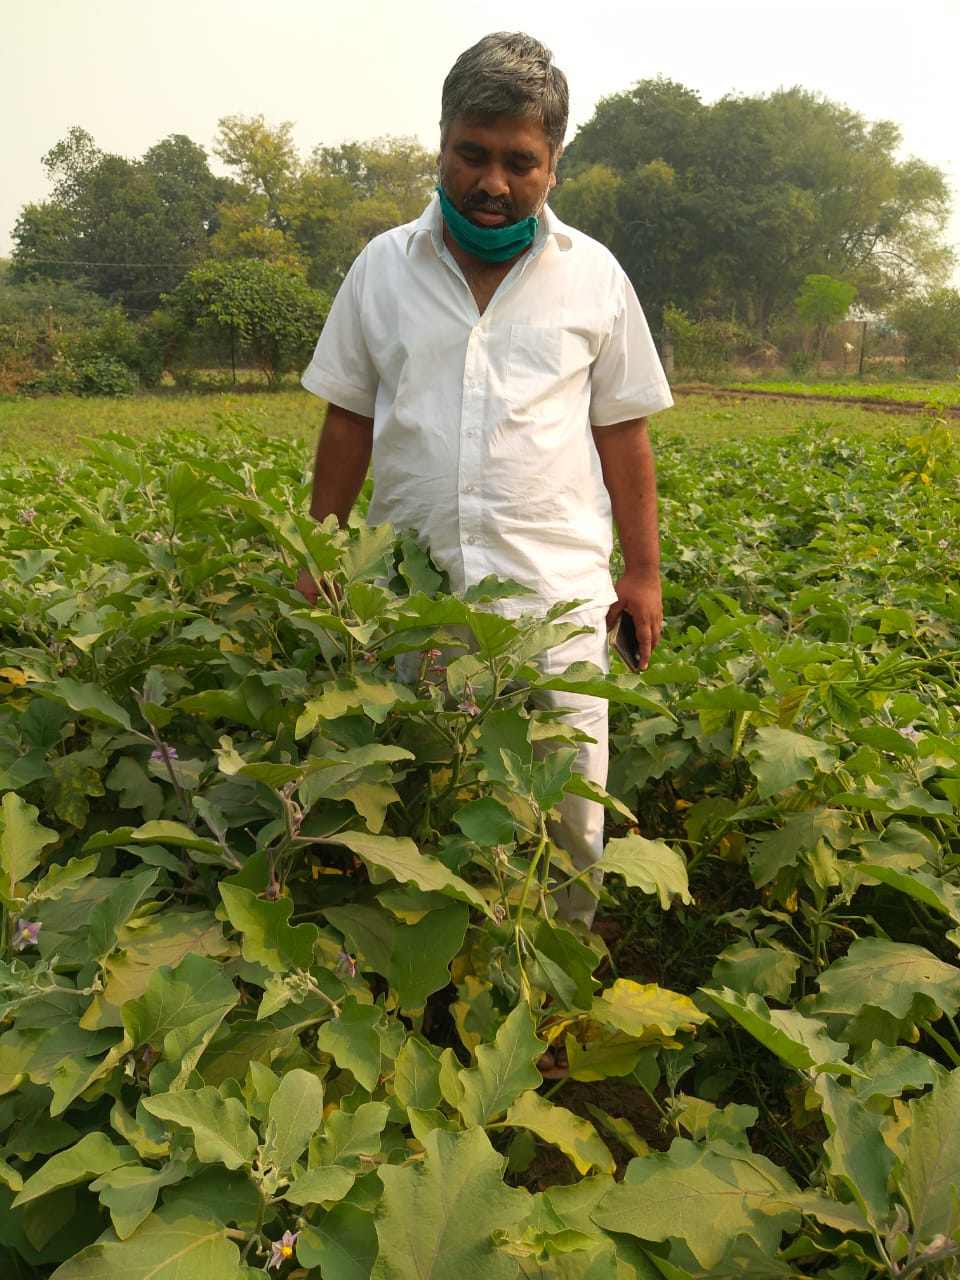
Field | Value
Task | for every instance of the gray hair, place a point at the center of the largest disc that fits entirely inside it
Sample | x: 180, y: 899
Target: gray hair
x: 507, y: 74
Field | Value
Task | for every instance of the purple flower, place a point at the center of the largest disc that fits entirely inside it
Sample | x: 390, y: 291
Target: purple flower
x: 27, y: 933
x: 163, y: 752
x: 909, y: 732
x: 28, y: 515
x: 347, y: 964
x: 281, y: 1250
x: 468, y: 708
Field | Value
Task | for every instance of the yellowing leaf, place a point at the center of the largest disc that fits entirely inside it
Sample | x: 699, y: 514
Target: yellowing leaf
x: 646, y: 1011
x: 575, y: 1137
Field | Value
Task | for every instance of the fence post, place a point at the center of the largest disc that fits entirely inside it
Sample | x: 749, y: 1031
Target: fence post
x: 666, y: 351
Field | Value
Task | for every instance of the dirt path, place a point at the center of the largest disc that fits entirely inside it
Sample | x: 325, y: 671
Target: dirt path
x: 864, y: 402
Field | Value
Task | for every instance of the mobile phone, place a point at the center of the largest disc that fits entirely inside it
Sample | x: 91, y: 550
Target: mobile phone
x: 625, y: 641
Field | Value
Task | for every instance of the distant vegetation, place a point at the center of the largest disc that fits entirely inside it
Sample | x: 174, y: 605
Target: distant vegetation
x: 750, y: 228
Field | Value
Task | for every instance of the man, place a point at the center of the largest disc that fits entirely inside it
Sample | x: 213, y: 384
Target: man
x: 497, y: 367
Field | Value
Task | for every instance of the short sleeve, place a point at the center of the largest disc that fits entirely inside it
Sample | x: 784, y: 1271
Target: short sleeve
x: 341, y: 371
x: 627, y: 379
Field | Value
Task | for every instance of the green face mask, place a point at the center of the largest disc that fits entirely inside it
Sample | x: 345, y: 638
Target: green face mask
x: 492, y: 244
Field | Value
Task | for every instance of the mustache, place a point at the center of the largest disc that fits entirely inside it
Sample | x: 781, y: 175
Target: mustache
x: 488, y: 204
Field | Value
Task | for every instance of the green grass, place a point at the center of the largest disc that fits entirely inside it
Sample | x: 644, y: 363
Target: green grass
x: 57, y: 427
x: 916, y: 392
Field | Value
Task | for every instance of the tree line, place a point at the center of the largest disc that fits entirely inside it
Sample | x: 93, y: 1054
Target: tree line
x: 720, y: 212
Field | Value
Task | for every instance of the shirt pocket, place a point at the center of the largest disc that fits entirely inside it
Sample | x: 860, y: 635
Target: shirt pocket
x: 534, y: 370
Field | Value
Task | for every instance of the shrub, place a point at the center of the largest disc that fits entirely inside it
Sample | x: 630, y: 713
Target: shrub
x: 703, y: 347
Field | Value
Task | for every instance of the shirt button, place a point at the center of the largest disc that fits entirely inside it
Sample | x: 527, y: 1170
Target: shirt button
x: 468, y: 488
x: 471, y: 539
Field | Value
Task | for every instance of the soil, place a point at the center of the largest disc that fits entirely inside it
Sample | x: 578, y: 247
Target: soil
x: 865, y: 402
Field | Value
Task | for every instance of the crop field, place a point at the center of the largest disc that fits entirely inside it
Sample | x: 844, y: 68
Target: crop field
x: 57, y: 428
x: 946, y: 393
x: 279, y: 948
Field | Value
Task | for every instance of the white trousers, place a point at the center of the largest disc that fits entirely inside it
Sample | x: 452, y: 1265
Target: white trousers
x: 579, y: 828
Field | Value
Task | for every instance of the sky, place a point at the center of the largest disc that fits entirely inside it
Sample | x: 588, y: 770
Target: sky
x: 131, y: 73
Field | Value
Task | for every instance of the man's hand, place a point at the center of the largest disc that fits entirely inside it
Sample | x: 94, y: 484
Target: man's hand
x: 307, y: 587
x: 639, y: 595
x: 339, y: 470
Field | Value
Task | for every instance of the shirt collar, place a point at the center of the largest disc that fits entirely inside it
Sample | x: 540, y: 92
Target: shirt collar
x: 430, y: 223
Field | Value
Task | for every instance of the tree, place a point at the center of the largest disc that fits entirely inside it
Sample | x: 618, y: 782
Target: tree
x: 251, y: 308
x: 823, y: 302
x: 726, y: 209
x: 930, y: 324
x: 265, y: 158
x: 349, y: 194
x: 127, y: 229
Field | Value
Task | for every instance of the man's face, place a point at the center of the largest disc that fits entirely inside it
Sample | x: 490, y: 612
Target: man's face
x: 498, y: 172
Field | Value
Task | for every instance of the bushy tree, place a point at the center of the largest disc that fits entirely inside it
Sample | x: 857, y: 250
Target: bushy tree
x: 251, y: 309
x: 823, y: 302
x: 126, y: 229
x: 930, y: 324
x: 728, y: 208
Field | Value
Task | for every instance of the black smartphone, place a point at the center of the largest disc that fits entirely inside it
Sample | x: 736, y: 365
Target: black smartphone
x: 625, y: 641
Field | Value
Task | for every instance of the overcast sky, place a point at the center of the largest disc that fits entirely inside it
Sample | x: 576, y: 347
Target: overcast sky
x: 131, y: 72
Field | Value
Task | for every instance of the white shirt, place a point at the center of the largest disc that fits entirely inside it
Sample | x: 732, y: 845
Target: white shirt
x: 482, y: 437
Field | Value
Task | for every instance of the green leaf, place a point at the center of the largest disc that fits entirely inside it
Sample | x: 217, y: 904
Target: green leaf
x: 800, y: 835
x: 22, y: 841
x: 415, y: 958
x: 329, y: 1182
x: 890, y: 1070
x: 930, y: 890
x: 765, y: 971
x: 631, y: 690
x: 268, y: 938
x: 196, y: 994
x: 108, y: 916
x: 801, y: 1042
x: 219, y: 1125
x: 888, y: 975
x: 354, y: 1041
x: 399, y: 857
x: 146, y: 944
x: 87, y: 1159
x: 929, y: 1179
x: 574, y: 1136
x: 649, y: 865
x: 295, y: 1114
x: 780, y: 758
x: 703, y: 1196
x: 176, y: 834
x: 130, y: 1192
x: 572, y: 962
x: 894, y: 793
x: 216, y: 1195
x: 436, y: 1221
x: 170, y: 1245
x: 10, y: 1177
x: 504, y: 1069
x: 86, y: 699
x: 856, y: 1153
x: 416, y: 1080
x: 350, y: 1138
x: 342, y: 1245
x: 487, y: 822
x: 374, y: 698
